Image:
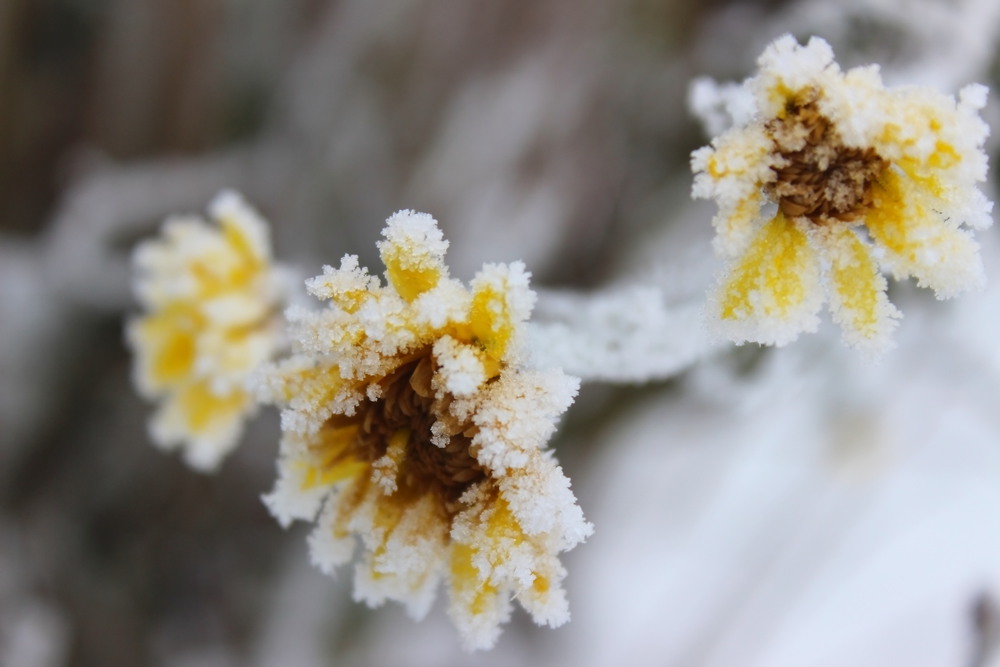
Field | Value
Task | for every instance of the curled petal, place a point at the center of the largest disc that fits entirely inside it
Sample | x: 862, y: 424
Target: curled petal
x: 413, y: 253
x: 501, y: 302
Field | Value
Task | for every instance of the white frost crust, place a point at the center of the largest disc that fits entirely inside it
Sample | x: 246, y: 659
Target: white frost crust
x: 785, y: 65
x: 544, y: 504
x: 460, y: 367
x: 623, y: 335
x: 418, y: 231
x: 518, y: 414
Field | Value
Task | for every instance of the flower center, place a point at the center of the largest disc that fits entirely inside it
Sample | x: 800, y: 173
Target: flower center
x: 818, y: 177
x: 408, y: 402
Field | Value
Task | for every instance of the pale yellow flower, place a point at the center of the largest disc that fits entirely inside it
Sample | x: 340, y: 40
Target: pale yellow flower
x: 411, y: 424
x: 831, y: 179
x: 211, y: 297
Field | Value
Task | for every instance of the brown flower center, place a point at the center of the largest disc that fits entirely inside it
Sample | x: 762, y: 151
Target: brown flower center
x: 819, y: 177
x: 408, y: 402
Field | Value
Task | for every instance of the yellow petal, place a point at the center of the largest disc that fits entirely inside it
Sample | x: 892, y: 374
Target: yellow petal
x: 858, y: 300
x: 469, y: 590
x: 411, y: 275
x: 333, y: 461
x: 490, y: 319
x: 389, y: 512
x: 330, y: 475
x: 918, y: 241
x: 773, y: 290
x: 239, y: 239
x: 413, y: 253
x: 331, y: 443
x: 165, y: 344
x: 205, y: 411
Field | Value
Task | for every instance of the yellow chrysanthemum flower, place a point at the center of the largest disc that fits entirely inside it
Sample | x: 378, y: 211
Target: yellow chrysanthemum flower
x: 410, y: 422
x: 211, y: 297
x: 828, y: 178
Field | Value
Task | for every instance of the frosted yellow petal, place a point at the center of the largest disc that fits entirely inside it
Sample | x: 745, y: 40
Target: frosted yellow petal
x: 490, y: 320
x: 389, y: 511
x: 314, y: 386
x: 475, y: 595
x: 347, y: 502
x: 330, y: 475
x: 858, y: 300
x: 166, y: 347
x: 333, y: 463
x: 502, y: 524
x: 410, y: 274
x: 243, y: 245
x: 773, y: 291
x: 918, y: 241
x: 222, y: 270
x: 166, y: 344
x: 204, y: 410
x: 413, y: 253
x: 492, y: 539
x: 330, y: 443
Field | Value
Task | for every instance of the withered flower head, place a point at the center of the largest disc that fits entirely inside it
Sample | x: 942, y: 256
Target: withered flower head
x: 832, y: 179
x: 410, y: 422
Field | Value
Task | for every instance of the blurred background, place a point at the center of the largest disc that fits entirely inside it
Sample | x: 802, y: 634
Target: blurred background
x: 752, y: 507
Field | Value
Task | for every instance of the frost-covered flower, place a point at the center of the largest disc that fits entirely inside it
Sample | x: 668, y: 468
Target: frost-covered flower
x: 211, y: 299
x: 826, y: 179
x: 411, y: 422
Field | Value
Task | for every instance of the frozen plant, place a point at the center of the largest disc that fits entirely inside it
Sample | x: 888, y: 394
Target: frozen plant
x: 212, y: 302
x: 412, y: 421
x: 826, y: 179
x: 416, y: 410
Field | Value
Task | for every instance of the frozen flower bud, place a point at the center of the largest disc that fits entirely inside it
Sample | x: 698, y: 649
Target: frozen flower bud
x: 210, y: 297
x: 411, y: 425
x: 833, y: 180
